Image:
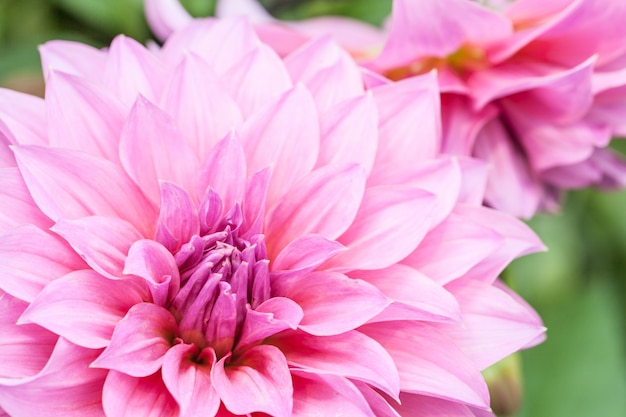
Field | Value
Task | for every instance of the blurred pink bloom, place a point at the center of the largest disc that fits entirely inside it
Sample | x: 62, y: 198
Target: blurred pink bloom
x: 208, y: 229
x: 535, y: 88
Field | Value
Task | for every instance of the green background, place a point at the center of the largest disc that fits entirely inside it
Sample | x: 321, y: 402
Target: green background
x: 578, y: 286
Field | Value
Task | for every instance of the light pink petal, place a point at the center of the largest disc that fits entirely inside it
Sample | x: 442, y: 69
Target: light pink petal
x: 204, y: 111
x: 352, y: 355
x: 178, y: 218
x: 24, y: 348
x: 378, y: 402
x: 409, y: 127
x: 325, y: 202
x: 224, y: 170
x: 424, y: 28
x: 414, y: 295
x: 252, y: 9
x: 103, y: 242
x: 284, y: 134
x: 152, y: 149
x: 303, y: 255
x: 30, y: 258
x: 461, y: 123
x: 608, y: 108
x: 496, y: 322
x: 453, y: 248
x: 65, y: 387
x: 132, y: 70
x: 165, y: 17
x: 73, y: 58
x: 71, y: 184
x: 82, y: 116
x: 156, y: 265
x: 241, y: 81
x: 475, y: 174
x: 389, y: 225
x: 413, y: 405
x: 7, y: 159
x: 351, y: 303
x: 253, y: 206
x: 519, y: 240
x: 511, y: 187
x: 349, y: 133
x: 139, y: 341
x: 24, y: 118
x: 187, y: 375
x: 327, y: 395
x: 18, y: 207
x: 258, y: 381
x: 328, y: 71
x: 83, y: 307
x: 605, y: 169
x: 429, y: 362
x: 270, y: 317
x: 127, y: 396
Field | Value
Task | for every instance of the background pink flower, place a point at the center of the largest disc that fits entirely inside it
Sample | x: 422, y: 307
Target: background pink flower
x: 206, y: 229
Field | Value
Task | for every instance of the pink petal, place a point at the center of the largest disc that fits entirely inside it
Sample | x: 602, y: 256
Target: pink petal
x: 132, y: 70
x: 82, y: 116
x: 65, y: 387
x: 24, y: 348
x: 127, y: 396
x: 351, y: 303
x: 327, y: 395
x: 24, y: 117
x: 414, y: 295
x: 165, y: 17
x: 496, y: 322
x: 425, y: 366
x: 253, y: 206
x: 257, y: 381
x: 224, y: 170
x: 270, y: 317
x: 252, y: 9
x: 73, y: 58
x: 391, y: 222
x: 152, y: 149
x: 352, y: 355
x: 461, y: 123
x: 17, y: 207
x: 203, y: 110
x: 325, y: 202
x: 349, y: 133
x: 303, y: 255
x: 475, y: 174
x: 83, y: 307
x: 187, y: 375
x: 139, y: 341
x: 71, y: 184
x: 413, y: 405
x: 102, y: 242
x: 7, y: 159
x: 178, y: 218
x: 284, y: 134
x: 30, y: 259
x: 153, y: 263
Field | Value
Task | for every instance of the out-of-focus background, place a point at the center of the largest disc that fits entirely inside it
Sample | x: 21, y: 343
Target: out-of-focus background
x: 578, y: 286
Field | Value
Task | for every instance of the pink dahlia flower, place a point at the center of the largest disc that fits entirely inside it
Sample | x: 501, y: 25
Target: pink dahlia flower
x: 208, y: 230
x: 535, y: 88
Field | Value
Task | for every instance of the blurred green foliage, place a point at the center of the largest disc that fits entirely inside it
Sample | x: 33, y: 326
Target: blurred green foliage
x: 578, y: 286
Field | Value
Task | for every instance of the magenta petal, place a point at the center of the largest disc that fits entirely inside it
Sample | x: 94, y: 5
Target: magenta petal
x: 352, y: 355
x: 83, y: 307
x: 391, y: 222
x: 139, y: 341
x: 425, y: 366
x: 65, y: 387
x: 24, y: 348
x: 127, y: 396
x: 72, y: 184
x: 103, y: 242
x: 18, y: 207
x: 325, y: 202
x: 351, y: 302
x: 82, y: 116
x: 31, y: 258
x: 187, y: 375
x: 270, y: 317
x: 178, y: 218
x: 156, y: 265
x: 327, y: 395
x: 152, y: 149
x: 257, y: 381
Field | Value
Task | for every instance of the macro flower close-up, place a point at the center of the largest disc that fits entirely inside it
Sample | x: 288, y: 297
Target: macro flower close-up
x: 208, y: 229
